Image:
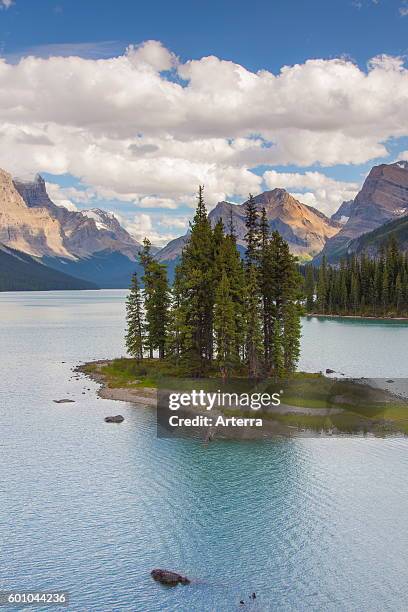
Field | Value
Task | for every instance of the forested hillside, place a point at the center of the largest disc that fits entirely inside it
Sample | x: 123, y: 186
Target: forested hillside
x: 20, y: 272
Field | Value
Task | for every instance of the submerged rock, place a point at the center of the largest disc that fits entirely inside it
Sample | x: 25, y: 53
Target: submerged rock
x: 168, y: 577
x: 114, y: 419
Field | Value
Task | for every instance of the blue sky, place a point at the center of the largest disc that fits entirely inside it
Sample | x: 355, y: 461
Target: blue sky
x: 166, y: 112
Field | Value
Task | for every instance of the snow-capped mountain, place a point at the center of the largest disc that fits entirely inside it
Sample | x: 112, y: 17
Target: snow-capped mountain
x: 91, y: 245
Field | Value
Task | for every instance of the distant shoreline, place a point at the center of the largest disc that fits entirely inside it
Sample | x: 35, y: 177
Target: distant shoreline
x: 339, y: 316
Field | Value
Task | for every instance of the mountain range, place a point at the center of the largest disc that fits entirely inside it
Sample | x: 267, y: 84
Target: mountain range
x: 305, y: 228
x: 90, y: 245
x: 90, y: 248
x: 383, y: 198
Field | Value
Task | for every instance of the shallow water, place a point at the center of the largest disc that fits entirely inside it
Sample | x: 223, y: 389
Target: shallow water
x: 91, y: 508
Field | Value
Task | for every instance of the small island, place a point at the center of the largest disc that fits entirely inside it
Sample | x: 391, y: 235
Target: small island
x: 233, y: 322
x: 312, y: 404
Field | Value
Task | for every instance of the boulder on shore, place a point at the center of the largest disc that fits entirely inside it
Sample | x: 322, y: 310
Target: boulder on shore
x: 169, y: 578
x: 114, y: 419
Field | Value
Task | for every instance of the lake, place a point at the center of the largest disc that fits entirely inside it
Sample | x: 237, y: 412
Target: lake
x: 91, y: 508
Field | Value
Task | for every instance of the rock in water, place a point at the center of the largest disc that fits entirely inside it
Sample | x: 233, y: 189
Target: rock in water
x: 64, y: 401
x: 114, y: 419
x: 329, y: 371
x: 169, y: 578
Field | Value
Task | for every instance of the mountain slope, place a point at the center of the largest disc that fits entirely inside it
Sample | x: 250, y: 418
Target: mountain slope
x: 343, y: 213
x: 383, y: 198
x: 83, y: 232
x: 108, y: 269
x: 35, y: 232
x: 90, y: 244
x: 20, y: 272
x: 304, y: 228
x: 372, y: 242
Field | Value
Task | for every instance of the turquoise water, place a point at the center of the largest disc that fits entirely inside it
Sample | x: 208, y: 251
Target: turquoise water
x: 309, y: 524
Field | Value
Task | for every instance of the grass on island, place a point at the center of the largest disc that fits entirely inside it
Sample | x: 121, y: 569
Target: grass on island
x: 363, y: 408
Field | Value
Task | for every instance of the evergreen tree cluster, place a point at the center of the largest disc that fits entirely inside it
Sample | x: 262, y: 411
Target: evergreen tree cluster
x: 222, y: 312
x: 360, y: 285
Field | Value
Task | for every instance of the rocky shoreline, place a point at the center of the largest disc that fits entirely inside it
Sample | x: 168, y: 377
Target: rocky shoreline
x: 280, y: 420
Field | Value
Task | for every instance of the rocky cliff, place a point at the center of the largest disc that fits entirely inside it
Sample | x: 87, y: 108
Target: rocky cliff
x: 84, y: 232
x: 33, y: 231
x: 383, y: 198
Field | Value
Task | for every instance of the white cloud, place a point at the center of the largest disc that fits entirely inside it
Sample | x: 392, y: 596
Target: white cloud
x: 58, y: 196
x: 324, y: 193
x: 144, y: 224
x: 152, y: 55
x: 132, y: 133
x: 176, y: 222
x: 68, y: 197
x: 5, y: 4
x: 403, y: 10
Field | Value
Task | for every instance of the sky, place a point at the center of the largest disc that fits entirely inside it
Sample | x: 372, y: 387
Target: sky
x: 129, y: 106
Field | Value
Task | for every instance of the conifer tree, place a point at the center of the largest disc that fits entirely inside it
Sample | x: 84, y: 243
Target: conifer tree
x: 364, y: 286
x: 253, y: 342
x: 134, y: 319
x: 322, y: 286
x: 286, y: 298
x: 225, y: 327
x: 252, y: 238
x: 228, y: 259
x: 156, y: 301
x: 309, y: 289
x: 196, y: 290
x: 291, y: 336
x: 265, y: 265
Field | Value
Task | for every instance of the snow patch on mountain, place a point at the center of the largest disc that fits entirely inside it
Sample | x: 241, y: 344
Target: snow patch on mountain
x: 103, y: 219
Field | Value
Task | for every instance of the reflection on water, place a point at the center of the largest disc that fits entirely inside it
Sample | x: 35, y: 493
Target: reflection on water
x: 308, y: 524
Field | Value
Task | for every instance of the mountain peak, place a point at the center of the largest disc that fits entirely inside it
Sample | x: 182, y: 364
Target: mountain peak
x: 103, y: 219
x: 305, y: 228
x: 403, y: 164
x: 32, y: 223
x: 382, y: 198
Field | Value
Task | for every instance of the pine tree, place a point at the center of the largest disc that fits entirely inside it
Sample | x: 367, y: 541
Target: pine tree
x: 265, y: 265
x: 291, y: 336
x: 196, y: 291
x: 134, y: 319
x: 287, y: 302
x: 252, y: 238
x: 322, y: 286
x: 253, y: 342
x: 309, y: 289
x: 385, y: 287
x: 277, y: 350
x: 225, y: 327
x: 398, y: 293
x: 364, y: 286
x: 228, y: 259
x: 156, y: 301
